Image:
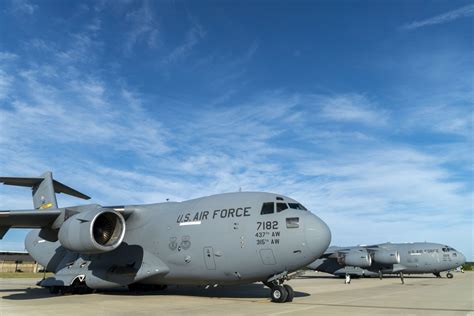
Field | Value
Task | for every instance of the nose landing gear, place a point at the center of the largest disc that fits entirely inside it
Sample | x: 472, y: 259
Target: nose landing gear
x: 279, y: 292
x: 282, y: 293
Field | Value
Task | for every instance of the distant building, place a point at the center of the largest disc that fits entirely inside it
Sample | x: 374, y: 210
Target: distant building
x: 17, y: 261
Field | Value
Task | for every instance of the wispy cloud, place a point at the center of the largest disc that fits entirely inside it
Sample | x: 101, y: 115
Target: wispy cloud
x: 5, y: 84
x: 6, y: 56
x: 23, y: 7
x: 193, y: 36
x: 442, y: 119
x: 351, y: 108
x: 144, y: 28
x: 462, y: 12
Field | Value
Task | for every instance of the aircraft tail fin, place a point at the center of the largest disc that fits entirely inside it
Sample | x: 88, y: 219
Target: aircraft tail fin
x: 43, y: 189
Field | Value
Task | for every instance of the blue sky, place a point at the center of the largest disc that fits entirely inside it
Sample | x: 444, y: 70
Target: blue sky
x: 361, y: 110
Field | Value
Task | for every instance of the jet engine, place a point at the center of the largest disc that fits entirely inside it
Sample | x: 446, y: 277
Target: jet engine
x: 357, y: 258
x: 386, y: 257
x: 93, y: 231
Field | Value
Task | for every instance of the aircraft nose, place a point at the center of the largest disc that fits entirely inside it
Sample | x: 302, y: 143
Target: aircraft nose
x: 317, y: 235
x: 463, y: 258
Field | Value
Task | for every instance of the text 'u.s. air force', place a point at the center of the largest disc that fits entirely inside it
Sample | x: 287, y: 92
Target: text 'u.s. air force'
x: 222, y: 213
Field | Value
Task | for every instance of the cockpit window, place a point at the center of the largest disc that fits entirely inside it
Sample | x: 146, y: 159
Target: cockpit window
x: 445, y: 249
x: 268, y: 208
x: 281, y: 207
x: 297, y: 206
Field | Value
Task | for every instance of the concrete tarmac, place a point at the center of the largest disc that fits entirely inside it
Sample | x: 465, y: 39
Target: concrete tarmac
x: 315, y: 293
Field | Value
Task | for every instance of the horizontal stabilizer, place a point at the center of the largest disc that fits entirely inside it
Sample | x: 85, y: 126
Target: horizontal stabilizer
x: 32, y: 182
x: 62, y: 188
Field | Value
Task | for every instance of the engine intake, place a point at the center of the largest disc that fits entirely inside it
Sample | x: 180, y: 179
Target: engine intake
x: 356, y: 258
x: 386, y: 257
x: 94, y: 231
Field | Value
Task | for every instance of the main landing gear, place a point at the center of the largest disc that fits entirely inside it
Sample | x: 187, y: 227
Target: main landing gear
x: 449, y: 275
x: 77, y: 287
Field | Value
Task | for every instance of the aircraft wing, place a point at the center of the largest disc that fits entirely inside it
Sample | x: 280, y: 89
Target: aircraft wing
x: 333, y: 251
x: 398, y: 268
x: 42, y: 219
x: 26, y: 219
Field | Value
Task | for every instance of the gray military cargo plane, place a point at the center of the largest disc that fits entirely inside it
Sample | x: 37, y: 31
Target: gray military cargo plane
x: 388, y: 258
x: 231, y: 238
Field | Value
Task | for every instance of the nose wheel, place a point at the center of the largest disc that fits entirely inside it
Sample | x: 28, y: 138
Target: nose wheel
x: 279, y: 292
x: 282, y: 293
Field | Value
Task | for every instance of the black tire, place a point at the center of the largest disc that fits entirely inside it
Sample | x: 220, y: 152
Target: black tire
x: 62, y: 290
x: 134, y: 287
x: 449, y: 275
x: 291, y: 293
x: 53, y: 289
x: 279, y: 294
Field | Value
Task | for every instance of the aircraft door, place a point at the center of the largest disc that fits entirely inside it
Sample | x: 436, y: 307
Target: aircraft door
x: 209, y: 258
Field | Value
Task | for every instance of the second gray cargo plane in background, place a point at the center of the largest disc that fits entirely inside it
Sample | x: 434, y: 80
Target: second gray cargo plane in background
x: 231, y: 238
x: 388, y: 258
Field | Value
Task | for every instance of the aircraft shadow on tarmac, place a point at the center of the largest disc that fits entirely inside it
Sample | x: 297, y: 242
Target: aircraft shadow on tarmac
x: 256, y: 291
x: 373, y: 277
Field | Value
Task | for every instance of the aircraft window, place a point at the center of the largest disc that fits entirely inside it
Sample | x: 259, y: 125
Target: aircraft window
x: 292, y: 222
x: 281, y: 207
x: 445, y: 249
x: 268, y: 208
x: 455, y: 254
x: 279, y: 198
x: 297, y: 206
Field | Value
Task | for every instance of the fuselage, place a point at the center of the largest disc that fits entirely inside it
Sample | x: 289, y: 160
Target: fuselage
x: 221, y: 239
x: 417, y: 257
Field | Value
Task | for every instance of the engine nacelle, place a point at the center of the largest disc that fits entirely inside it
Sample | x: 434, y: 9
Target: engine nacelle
x: 386, y: 256
x: 357, y: 258
x: 94, y: 231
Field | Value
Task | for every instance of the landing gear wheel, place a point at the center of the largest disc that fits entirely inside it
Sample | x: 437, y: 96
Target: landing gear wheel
x: 53, y: 289
x: 291, y: 293
x: 279, y: 294
x: 449, y: 275
x: 437, y: 274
